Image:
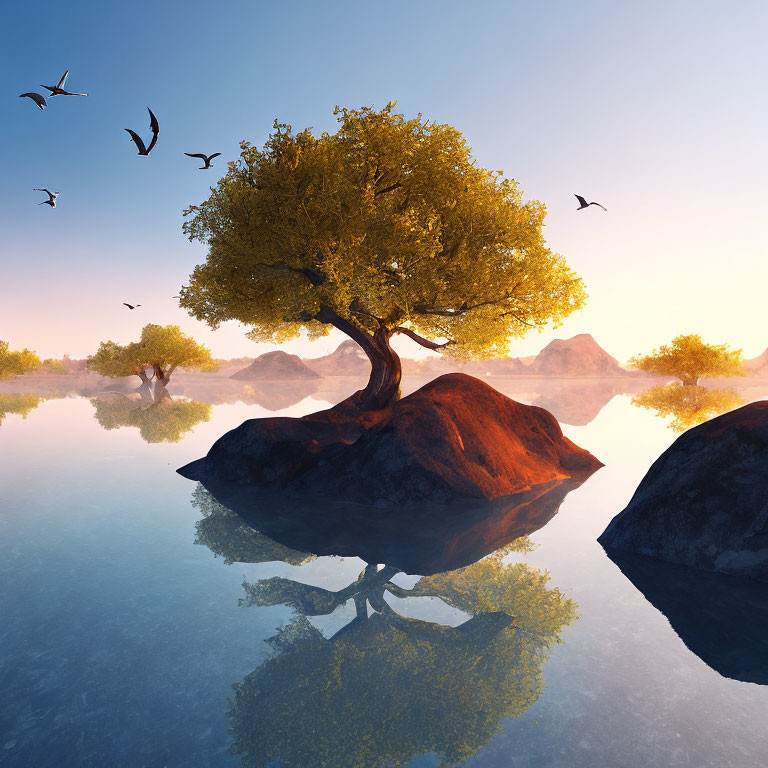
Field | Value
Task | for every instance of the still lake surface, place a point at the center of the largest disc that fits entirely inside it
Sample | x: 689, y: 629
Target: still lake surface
x: 125, y: 623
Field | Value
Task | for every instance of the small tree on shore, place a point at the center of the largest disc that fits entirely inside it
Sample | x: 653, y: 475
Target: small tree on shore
x: 688, y: 358
x: 16, y: 362
x: 386, y: 227
x: 161, y: 349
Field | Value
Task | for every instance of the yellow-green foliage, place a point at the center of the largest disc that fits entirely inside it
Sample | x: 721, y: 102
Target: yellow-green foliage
x: 688, y: 405
x: 688, y: 358
x: 386, y: 221
x: 51, y: 365
x: 163, y: 422
x: 386, y: 688
x: 165, y: 347
x: 14, y: 363
x: 19, y: 404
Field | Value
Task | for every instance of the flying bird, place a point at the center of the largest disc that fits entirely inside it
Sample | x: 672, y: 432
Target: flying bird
x: 584, y: 204
x: 131, y: 306
x: 37, y: 98
x: 51, y: 196
x: 136, y: 139
x: 58, y: 89
x: 205, y: 158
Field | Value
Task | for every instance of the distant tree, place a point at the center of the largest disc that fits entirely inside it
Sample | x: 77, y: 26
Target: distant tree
x: 53, y: 366
x: 386, y: 227
x: 14, y: 363
x: 688, y: 405
x: 688, y: 358
x: 161, y: 349
x: 165, y: 421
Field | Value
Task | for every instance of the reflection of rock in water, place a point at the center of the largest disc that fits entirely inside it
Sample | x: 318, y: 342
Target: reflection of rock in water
x: 166, y: 421
x: 424, y: 541
x: 274, y: 396
x: 688, y: 405
x: 722, y: 619
x: 386, y: 688
x: 227, y: 535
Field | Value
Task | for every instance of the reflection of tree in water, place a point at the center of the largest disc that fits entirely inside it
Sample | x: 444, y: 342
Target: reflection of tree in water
x: 165, y: 421
x: 227, y: 535
x: 20, y: 405
x: 386, y: 688
x: 689, y: 405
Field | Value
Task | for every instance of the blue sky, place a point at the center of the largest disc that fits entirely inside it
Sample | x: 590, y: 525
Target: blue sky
x: 656, y: 109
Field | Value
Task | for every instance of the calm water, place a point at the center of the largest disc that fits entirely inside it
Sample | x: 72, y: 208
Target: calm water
x: 127, y: 616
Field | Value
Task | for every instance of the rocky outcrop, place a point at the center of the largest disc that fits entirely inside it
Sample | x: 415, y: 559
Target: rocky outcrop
x: 455, y: 438
x: 704, y: 502
x: 578, y: 356
x: 276, y: 366
x: 348, y: 359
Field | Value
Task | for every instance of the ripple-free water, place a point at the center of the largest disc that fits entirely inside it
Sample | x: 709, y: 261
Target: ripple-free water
x: 121, y: 638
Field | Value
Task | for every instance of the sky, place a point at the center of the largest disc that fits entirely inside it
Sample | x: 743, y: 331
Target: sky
x: 658, y: 110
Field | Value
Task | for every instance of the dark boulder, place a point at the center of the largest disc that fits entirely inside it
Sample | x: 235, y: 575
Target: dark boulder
x: 455, y: 438
x: 704, y: 502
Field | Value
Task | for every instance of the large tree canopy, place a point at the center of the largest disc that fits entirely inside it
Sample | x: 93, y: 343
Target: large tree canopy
x: 387, y: 226
x: 162, y: 349
x: 688, y: 358
x: 14, y: 363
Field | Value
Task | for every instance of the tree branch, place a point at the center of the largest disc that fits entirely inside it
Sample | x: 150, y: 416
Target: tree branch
x: 390, y: 188
x: 420, y: 339
x: 315, y: 276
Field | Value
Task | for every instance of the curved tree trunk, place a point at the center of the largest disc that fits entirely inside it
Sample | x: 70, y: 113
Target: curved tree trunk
x: 145, y: 390
x: 383, y: 385
x: 161, y: 383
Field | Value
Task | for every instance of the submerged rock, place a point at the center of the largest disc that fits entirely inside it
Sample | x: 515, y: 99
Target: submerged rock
x: 704, y: 502
x: 455, y: 438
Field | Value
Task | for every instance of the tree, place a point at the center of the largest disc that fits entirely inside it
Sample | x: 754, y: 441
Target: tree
x: 688, y: 405
x: 164, y: 421
x: 15, y: 363
x: 386, y: 227
x: 161, y: 348
x: 53, y: 366
x: 688, y: 358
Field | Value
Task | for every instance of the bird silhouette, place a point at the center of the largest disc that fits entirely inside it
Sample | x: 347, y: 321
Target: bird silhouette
x: 37, y: 98
x: 58, y: 89
x: 137, y: 140
x: 584, y: 204
x: 51, y: 196
x: 131, y: 306
x: 205, y: 158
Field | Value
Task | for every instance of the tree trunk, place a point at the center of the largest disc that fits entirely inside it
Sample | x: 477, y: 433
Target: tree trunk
x: 145, y: 390
x: 161, y: 383
x: 383, y: 385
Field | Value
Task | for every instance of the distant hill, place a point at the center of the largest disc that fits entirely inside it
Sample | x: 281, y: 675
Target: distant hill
x: 578, y: 356
x: 276, y: 366
x: 348, y: 359
x: 757, y: 366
